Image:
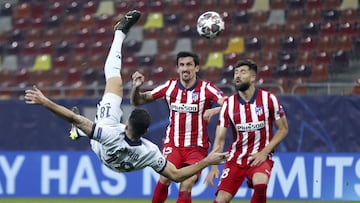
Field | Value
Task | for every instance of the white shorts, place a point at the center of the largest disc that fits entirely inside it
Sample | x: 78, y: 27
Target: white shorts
x: 108, y: 110
x: 108, y: 113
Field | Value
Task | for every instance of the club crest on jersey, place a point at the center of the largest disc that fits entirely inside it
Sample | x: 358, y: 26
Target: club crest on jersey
x: 259, y: 110
x: 195, y: 96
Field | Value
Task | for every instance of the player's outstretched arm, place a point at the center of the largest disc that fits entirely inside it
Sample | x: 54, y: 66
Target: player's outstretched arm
x: 137, y: 97
x: 178, y: 175
x: 35, y: 96
x: 209, y: 113
x: 220, y: 135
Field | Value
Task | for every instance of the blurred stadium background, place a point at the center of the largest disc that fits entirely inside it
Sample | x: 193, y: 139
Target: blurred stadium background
x: 303, y: 47
x: 307, y: 51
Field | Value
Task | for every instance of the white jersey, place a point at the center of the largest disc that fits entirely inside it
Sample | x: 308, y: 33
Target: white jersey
x: 121, y: 154
x: 114, y: 149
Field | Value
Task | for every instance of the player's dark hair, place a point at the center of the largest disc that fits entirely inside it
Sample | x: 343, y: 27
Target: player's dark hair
x: 139, y: 120
x: 251, y: 64
x: 183, y: 54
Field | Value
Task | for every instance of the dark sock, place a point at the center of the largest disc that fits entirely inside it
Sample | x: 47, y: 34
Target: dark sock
x: 160, y: 193
x: 184, y: 197
x: 259, y: 195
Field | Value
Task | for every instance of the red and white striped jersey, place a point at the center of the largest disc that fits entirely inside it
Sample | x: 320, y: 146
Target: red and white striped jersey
x: 251, y: 123
x: 187, y: 128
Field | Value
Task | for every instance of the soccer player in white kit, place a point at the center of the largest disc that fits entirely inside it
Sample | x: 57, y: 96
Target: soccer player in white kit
x: 120, y: 147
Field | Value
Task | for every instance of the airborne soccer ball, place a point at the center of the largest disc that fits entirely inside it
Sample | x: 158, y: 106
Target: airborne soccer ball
x: 210, y: 24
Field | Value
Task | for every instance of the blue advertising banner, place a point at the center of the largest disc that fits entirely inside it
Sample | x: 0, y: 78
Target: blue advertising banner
x: 316, y: 124
x: 302, y: 176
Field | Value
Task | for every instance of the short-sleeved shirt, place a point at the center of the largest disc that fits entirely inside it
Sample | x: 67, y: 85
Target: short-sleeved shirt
x: 121, y: 154
x: 251, y: 123
x: 187, y: 127
x: 114, y: 148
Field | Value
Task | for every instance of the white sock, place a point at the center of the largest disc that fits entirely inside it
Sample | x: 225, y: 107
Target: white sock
x: 112, y: 66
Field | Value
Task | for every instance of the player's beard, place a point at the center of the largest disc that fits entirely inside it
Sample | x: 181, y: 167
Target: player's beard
x: 243, y: 86
x: 186, y: 78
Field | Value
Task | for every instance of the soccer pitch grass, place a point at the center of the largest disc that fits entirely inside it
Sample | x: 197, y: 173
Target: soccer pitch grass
x: 117, y: 200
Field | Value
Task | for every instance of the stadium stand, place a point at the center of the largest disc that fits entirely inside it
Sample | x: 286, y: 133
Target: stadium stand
x: 310, y: 41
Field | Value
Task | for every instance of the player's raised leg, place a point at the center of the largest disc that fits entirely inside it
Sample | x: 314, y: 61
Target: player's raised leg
x: 109, y: 111
x: 113, y: 61
x: 112, y: 97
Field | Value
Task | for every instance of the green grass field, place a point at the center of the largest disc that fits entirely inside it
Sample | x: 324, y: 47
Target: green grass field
x: 115, y: 200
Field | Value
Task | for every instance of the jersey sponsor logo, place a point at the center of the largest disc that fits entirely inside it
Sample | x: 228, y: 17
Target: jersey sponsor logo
x: 184, y: 108
x: 250, y: 127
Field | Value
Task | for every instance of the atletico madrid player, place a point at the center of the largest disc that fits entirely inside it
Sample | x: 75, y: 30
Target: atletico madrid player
x: 189, y: 99
x: 251, y: 113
